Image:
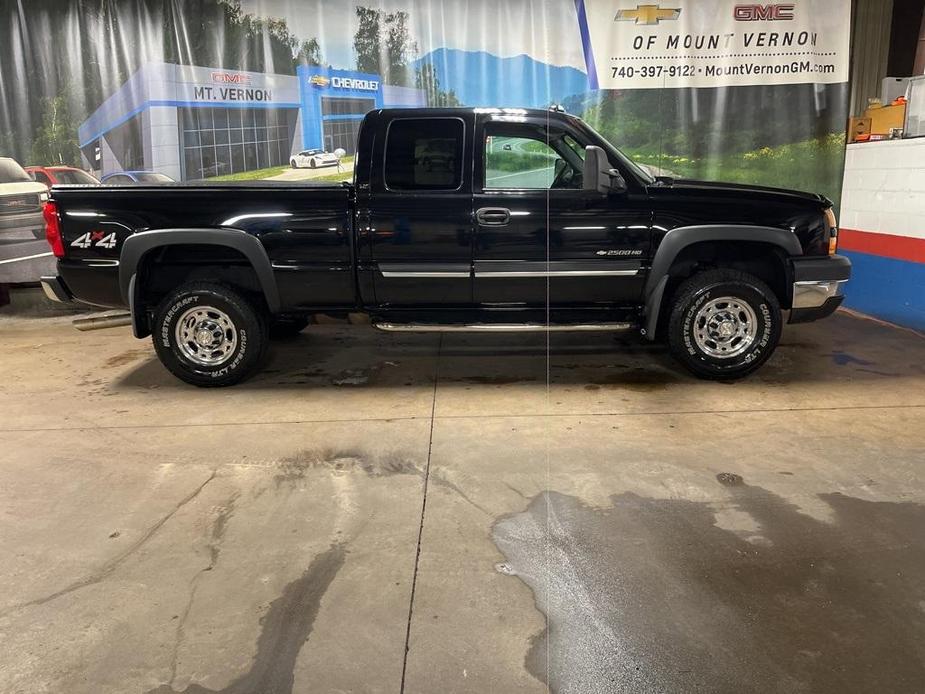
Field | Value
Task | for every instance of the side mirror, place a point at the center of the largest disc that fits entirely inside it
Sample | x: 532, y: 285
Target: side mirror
x: 558, y: 169
x: 617, y: 182
x: 598, y: 175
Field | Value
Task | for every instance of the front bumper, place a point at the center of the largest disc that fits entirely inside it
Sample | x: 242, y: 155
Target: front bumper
x: 56, y: 290
x: 22, y: 227
x: 818, y: 284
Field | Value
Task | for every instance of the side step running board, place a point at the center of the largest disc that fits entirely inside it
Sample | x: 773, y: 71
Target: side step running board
x: 502, y: 327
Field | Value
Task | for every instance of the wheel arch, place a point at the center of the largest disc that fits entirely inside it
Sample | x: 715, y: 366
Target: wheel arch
x: 684, y: 247
x: 139, y: 249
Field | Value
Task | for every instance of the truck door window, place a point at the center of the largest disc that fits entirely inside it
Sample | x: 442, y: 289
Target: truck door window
x: 424, y: 154
x: 524, y: 157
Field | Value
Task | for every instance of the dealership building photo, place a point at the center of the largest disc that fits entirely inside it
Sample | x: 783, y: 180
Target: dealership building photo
x: 192, y: 122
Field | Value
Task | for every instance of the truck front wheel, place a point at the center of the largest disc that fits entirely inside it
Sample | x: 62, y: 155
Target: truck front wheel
x: 209, y: 335
x: 724, y: 324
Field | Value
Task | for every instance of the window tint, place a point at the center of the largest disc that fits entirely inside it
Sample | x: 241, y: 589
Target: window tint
x: 75, y: 176
x: 156, y: 177
x: 119, y: 178
x: 41, y: 177
x: 424, y: 154
x: 524, y: 157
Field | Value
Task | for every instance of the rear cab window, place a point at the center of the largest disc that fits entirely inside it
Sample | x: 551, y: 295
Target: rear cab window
x: 424, y: 154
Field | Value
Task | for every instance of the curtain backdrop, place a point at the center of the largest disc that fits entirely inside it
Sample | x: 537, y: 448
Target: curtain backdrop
x: 695, y: 88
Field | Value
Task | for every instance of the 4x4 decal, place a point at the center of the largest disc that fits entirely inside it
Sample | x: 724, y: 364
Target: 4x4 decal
x: 100, y: 239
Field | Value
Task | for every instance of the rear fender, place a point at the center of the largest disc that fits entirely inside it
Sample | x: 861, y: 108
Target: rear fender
x: 137, y: 246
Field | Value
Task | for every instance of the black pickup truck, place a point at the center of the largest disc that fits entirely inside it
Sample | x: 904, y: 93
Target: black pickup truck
x: 457, y: 219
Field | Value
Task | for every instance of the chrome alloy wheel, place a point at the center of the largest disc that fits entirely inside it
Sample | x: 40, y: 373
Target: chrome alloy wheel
x: 725, y: 327
x: 206, y: 336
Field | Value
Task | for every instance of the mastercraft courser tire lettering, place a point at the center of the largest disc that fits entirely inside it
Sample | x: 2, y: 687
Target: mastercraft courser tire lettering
x: 724, y: 324
x: 209, y: 335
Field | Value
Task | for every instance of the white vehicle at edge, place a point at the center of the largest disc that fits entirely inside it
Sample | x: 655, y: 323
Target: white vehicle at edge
x: 312, y: 159
x: 21, y: 202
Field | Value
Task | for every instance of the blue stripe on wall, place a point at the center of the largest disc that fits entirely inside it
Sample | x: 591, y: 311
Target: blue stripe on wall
x: 887, y: 288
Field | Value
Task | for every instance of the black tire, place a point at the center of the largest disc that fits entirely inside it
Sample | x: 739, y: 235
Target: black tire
x: 293, y: 164
x: 286, y: 328
x: 312, y: 164
x: 691, y: 332
x: 243, y: 332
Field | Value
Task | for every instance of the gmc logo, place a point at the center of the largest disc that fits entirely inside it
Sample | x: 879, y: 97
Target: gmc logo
x: 230, y: 78
x: 762, y: 13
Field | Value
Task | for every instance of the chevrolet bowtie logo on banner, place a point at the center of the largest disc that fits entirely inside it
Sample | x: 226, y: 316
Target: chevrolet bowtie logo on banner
x: 319, y: 80
x: 647, y: 14
x: 633, y: 44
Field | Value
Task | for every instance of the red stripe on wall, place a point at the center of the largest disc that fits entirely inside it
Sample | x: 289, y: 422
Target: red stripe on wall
x: 884, y: 245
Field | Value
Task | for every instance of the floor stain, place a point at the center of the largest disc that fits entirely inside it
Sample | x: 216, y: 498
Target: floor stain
x: 284, y: 629
x: 126, y: 358
x: 638, y: 379
x: 293, y: 470
x: 844, y: 359
x: 650, y: 595
x: 730, y: 479
x: 496, y: 380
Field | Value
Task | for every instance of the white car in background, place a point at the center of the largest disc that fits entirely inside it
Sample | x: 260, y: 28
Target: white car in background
x: 313, y: 159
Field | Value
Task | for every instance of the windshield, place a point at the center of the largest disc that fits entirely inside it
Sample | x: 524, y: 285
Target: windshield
x: 613, y: 152
x: 74, y: 176
x: 11, y: 172
x: 153, y: 178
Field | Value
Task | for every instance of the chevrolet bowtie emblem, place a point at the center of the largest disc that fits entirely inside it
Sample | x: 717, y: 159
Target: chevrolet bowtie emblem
x: 647, y: 14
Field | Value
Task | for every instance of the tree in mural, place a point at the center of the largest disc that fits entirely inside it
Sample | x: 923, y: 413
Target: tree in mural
x: 56, y: 138
x: 427, y: 81
x: 91, y: 47
x: 366, y: 42
x: 309, y: 53
x: 400, y: 49
x: 383, y: 45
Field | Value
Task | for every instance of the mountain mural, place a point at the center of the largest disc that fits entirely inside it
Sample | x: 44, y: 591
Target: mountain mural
x: 483, y: 79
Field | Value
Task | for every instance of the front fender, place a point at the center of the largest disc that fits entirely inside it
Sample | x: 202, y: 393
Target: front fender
x: 676, y: 240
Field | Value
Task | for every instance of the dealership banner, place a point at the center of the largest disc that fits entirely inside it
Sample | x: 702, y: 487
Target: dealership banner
x: 127, y: 91
x: 713, y: 43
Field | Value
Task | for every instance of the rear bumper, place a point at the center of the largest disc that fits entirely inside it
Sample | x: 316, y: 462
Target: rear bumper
x: 818, y: 284
x: 56, y: 290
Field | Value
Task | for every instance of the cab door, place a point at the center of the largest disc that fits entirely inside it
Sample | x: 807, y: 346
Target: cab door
x: 417, y: 215
x: 540, y: 238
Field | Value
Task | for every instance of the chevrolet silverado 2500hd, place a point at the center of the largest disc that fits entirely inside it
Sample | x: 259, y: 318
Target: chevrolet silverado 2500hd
x: 457, y: 219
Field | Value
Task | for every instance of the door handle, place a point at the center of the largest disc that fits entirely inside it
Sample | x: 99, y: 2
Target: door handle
x: 493, y: 216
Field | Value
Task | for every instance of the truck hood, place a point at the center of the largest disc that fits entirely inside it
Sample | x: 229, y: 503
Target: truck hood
x: 740, y: 190
x: 22, y: 188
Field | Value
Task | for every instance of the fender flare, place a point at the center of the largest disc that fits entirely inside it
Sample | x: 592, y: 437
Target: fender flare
x: 138, y: 245
x: 676, y: 240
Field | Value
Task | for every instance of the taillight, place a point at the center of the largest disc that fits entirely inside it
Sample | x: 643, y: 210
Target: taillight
x: 53, y: 229
x: 832, y: 228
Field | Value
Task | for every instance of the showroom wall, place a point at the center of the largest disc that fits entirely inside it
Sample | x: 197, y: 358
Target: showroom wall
x: 883, y: 229
x: 712, y: 89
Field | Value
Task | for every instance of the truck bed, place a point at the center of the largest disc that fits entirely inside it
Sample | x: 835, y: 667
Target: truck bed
x: 304, y: 227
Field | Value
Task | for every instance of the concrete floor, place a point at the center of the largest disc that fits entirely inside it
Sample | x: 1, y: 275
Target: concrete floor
x: 593, y: 520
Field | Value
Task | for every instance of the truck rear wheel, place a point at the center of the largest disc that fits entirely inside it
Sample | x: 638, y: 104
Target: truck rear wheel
x: 209, y: 334
x: 724, y: 324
